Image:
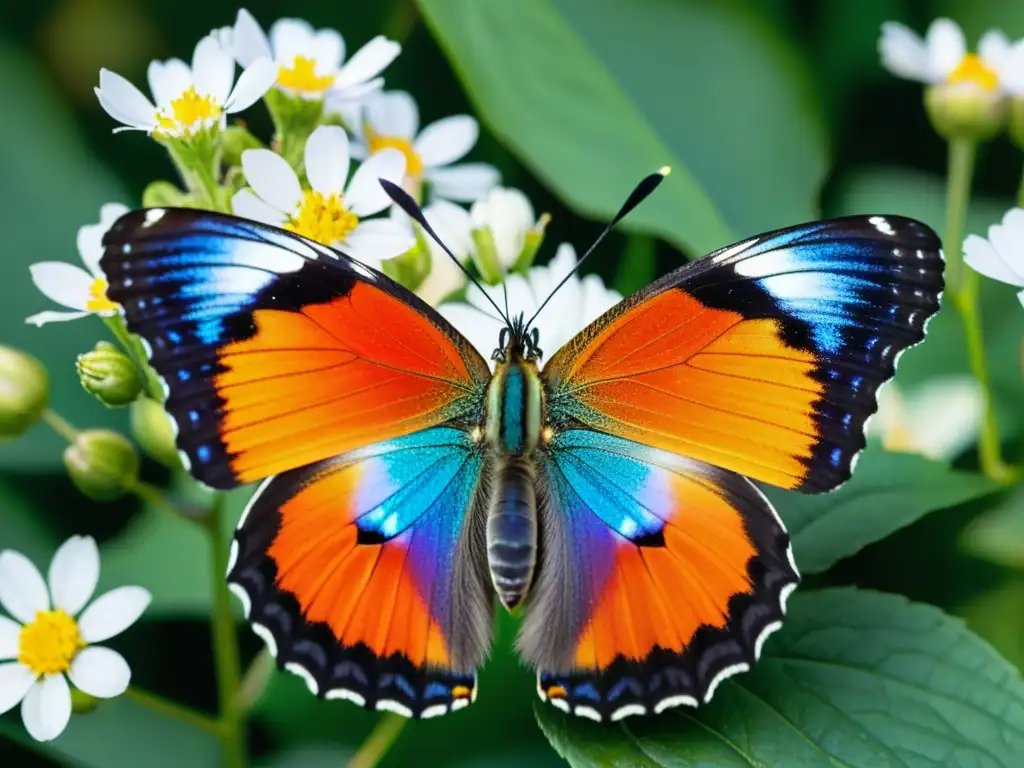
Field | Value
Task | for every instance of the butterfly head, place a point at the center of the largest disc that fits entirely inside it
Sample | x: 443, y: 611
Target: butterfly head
x: 518, y: 342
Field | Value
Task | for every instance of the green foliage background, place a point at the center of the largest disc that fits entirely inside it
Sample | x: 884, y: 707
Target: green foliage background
x: 770, y: 113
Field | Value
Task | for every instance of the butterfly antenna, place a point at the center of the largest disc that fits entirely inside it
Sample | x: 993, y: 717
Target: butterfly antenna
x: 402, y: 199
x: 504, y: 290
x: 637, y: 196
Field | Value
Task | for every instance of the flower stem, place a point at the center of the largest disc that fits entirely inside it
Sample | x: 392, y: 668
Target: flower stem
x: 133, y: 347
x: 174, y: 710
x: 380, y: 740
x: 225, y: 642
x: 255, y: 680
x: 60, y: 425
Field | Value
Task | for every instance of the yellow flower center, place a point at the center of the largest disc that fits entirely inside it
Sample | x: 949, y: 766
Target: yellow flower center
x: 301, y: 76
x: 972, y: 69
x: 98, y: 301
x: 49, y: 644
x: 187, y: 110
x: 413, y: 162
x: 323, y: 219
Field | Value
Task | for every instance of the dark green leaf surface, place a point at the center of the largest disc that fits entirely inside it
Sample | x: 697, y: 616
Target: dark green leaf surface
x: 857, y: 679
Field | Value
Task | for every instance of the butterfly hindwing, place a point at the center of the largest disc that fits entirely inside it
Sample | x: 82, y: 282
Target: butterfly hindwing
x: 659, y: 577
x: 277, y: 351
x: 366, y: 573
x: 765, y: 357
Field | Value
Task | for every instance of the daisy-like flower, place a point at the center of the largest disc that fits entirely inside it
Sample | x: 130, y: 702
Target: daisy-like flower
x: 43, y: 644
x: 308, y: 62
x: 82, y: 291
x: 188, y: 99
x: 454, y: 226
x: 577, y: 303
x: 1001, y: 255
x: 392, y: 121
x: 330, y: 212
x: 509, y: 217
x: 937, y: 420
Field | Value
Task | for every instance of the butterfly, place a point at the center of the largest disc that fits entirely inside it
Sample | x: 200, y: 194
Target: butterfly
x: 606, y: 494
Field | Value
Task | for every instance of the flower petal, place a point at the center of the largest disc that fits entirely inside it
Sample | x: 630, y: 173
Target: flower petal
x: 73, y: 574
x: 995, y: 49
x: 1008, y: 240
x: 377, y: 240
x: 946, y: 48
x: 507, y: 213
x: 124, y: 102
x: 290, y: 38
x: 327, y: 159
x: 63, y: 283
x: 272, y: 179
x: 39, y: 319
x: 465, y: 182
x: 15, y: 681
x: 253, y: 83
x: 354, y: 92
x: 445, y: 141
x: 90, y: 236
x: 453, y: 225
x: 10, y: 638
x: 328, y: 50
x: 249, y: 42
x: 168, y: 80
x: 368, y: 62
x: 481, y: 329
x: 393, y: 113
x: 100, y: 672
x: 22, y: 589
x: 213, y: 70
x: 249, y: 206
x: 1012, y: 76
x: 980, y: 256
x: 365, y: 195
x: 903, y: 52
x: 46, y: 709
x: 943, y: 416
x: 112, y: 613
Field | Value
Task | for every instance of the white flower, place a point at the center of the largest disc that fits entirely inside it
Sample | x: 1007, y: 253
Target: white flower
x: 508, y: 215
x: 942, y: 56
x: 188, y: 100
x: 330, y: 212
x: 392, y: 120
x: 44, y: 641
x: 938, y: 419
x: 577, y: 303
x: 308, y: 62
x: 83, y: 291
x: 453, y: 225
x: 1001, y: 256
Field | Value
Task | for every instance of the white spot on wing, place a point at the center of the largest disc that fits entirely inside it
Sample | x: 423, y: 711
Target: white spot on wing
x: 674, y: 701
x: 588, y: 712
x: 347, y: 695
x: 784, y: 596
x: 267, y: 637
x: 725, y: 674
x: 561, y: 704
x: 628, y: 711
x: 232, y: 556
x: 243, y: 597
x: 731, y: 251
x: 390, y: 705
x: 882, y: 225
x: 765, y: 634
x: 362, y: 271
x: 462, y: 703
x: 255, y: 496
x: 435, y: 711
x: 297, y: 669
x: 153, y: 215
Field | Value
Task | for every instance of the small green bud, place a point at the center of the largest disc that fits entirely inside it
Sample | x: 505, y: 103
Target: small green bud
x: 295, y: 118
x: 109, y: 374
x: 1016, y: 129
x: 24, y: 391
x: 163, y: 194
x: 82, y: 703
x: 237, y: 139
x: 409, y: 268
x: 153, y: 431
x: 534, y: 239
x: 102, y: 464
x: 961, y: 110
x: 485, y: 256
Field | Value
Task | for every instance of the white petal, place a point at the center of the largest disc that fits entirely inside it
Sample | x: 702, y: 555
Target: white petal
x: 90, y: 237
x: 46, y: 709
x: 10, y: 638
x: 903, y: 52
x: 980, y: 256
x: 365, y: 195
x: 368, y: 62
x: 15, y: 681
x: 444, y: 279
x: 377, y: 240
x: 943, y: 416
x: 63, y: 283
x: 1008, y: 239
x: 995, y: 48
x: 73, y: 574
x: 290, y: 38
x: 328, y: 50
x: 124, y: 102
x: 393, y: 113
x: 168, y: 80
x: 466, y: 182
x: 248, y: 206
x: 946, y: 48
x: 213, y: 70
x: 351, y: 114
x: 250, y: 42
x: 353, y: 92
x: 445, y: 141
x: 22, y: 589
x: 255, y: 81
x: 100, y: 672
x: 39, y: 319
x: 453, y: 224
x: 128, y: 122
x: 1012, y: 76
x: 508, y: 214
x: 112, y: 613
x: 272, y: 179
x: 481, y: 329
x: 327, y: 159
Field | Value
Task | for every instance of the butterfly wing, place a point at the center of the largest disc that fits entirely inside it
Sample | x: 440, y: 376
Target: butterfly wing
x: 660, y: 576
x: 763, y: 358
x: 366, y: 573
x: 279, y: 352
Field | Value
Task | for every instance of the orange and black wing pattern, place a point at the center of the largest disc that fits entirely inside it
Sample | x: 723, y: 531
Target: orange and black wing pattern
x: 763, y: 358
x: 278, y: 352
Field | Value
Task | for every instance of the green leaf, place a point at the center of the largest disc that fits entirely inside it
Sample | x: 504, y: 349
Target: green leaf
x: 888, y: 491
x: 998, y: 534
x: 857, y: 679
x: 593, y: 94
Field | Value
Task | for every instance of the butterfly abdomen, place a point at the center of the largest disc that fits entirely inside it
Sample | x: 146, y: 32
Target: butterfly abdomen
x: 512, y: 531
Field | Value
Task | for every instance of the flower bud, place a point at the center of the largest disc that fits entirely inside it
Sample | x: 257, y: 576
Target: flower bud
x: 82, y: 703
x: 109, y: 374
x: 102, y: 464
x: 295, y: 118
x: 24, y: 391
x: 163, y: 194
x: 963, y: 110
x: 409, y: 268
x: 154, y: 432
x: 485, y: 256
x: 534, y: 240
x: 237, y: 139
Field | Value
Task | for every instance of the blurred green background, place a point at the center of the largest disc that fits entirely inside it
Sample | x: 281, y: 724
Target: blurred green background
x: 774, y: 110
